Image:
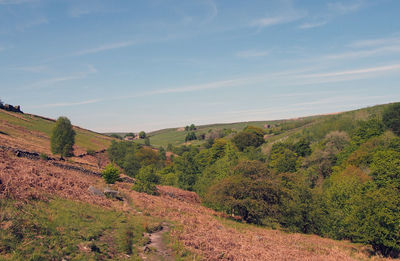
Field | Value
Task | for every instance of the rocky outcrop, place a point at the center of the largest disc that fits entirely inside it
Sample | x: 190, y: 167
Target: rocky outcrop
x: 9, y: 107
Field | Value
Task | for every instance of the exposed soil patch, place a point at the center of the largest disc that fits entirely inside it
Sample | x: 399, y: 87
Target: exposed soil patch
x: 156, y: 248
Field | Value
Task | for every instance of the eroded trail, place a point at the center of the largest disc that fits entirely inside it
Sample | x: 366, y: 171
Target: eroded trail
x: 156, y: 248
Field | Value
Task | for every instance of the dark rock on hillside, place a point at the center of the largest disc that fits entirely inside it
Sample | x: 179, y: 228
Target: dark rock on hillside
x: 9, y: 107
x: 112, y: 194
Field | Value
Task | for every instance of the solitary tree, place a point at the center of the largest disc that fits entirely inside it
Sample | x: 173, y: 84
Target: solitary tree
x: 142, y: 134
x: 63, y: 138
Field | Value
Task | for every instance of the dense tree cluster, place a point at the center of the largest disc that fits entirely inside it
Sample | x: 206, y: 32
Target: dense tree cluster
x: 339, y: 178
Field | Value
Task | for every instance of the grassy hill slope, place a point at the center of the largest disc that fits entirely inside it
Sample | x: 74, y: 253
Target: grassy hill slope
x: 279, y: 128
x: 33, y: 132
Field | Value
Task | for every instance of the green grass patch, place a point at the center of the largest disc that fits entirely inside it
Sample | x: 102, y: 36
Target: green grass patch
x: 63, y: 229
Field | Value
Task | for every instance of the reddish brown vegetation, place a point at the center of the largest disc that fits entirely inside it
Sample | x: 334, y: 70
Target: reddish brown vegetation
x: 26, y: 179
x: 215, y: 239
x: 202, y: 232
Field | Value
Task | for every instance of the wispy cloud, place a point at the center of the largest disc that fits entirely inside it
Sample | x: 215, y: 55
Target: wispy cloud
x: 354, y: 72
x: 347, y: 7
x: 67, y: 104
x: 365, y: 53
x: 105, y: 47
x: 252, y: 53
x: 213, y: 11
x: 34, y: 69
x: 52, y: 81
x: 334, y: 9
x: 32, y: 23
x: 312, y: 25
x: 286, y: 78
x: 78, y: 11
x: 275, y: 20
x: 376, y: 42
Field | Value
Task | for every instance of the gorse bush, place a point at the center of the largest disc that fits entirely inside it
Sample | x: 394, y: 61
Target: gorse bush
x: 110, y: 174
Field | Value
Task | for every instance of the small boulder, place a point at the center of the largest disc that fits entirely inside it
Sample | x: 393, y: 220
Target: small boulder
x: 112, y: 194
x: 96, y: 191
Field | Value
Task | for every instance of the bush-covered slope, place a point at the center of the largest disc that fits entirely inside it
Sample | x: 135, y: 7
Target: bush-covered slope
x: 337, y: 176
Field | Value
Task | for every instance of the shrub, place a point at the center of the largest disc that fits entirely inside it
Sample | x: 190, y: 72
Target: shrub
x: 110, y: 174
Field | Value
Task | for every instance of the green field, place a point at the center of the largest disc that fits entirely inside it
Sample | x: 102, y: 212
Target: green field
x: 161, y: 138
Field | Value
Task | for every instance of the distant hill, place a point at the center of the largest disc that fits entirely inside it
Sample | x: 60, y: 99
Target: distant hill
x: 277, y: 128
x: 27, y: 131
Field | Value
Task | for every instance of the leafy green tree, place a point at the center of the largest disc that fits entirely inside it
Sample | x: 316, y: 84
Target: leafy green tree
x: 246, y: 139
x: 391, y: 118
x: 302, y: 147
x: 147, y: 141
x: 146, y: 180
x: 147, y: 156
x: 168, y: 176
x: 118, y: 150
x: 255, y: 200
x: 142, y: 134
x: 187, y: 169
x: 340, y: 199
x: 385, y: 168
x: 110, y: 174
x: 131, y: 164
x: 283, y: 160
x: 190, y: 136
x: 376, y: 220
x: 62, y: 138
x: 367, y: 130
x: 192, y: 127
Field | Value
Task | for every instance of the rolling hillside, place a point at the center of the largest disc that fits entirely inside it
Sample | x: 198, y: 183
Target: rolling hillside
x: 278, y: 128
x: 45, y: 201
x: 33, y: 132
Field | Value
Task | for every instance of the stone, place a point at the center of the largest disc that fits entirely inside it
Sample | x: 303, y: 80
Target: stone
x: 96, y: 191
x: 112, y: 194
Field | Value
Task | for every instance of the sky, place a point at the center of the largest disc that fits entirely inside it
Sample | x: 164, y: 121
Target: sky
x: 127, y: 65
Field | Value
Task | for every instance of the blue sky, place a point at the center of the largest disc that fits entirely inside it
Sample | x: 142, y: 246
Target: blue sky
x: 144, y: 65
